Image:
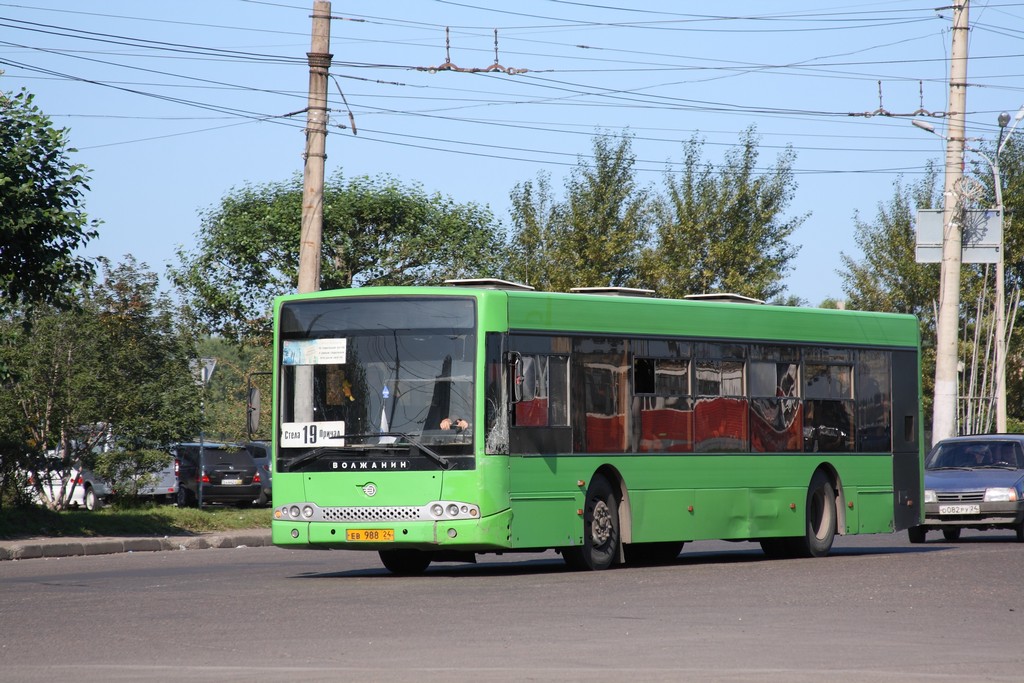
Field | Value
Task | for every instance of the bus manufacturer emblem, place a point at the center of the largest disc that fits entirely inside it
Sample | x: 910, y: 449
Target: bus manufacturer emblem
x: 370, y: 490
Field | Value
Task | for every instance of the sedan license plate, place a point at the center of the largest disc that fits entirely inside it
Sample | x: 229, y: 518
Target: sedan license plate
x: 959, y: 509
x: 231, y: 482
x: 371, y: 535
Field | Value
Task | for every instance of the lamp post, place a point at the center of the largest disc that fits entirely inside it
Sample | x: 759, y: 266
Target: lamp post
x: 1004, y: 119
x: 1000, y: 304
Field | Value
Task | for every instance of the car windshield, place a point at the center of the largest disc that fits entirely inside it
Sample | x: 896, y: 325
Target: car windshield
x: 976, y: 454
x: 377, y: 372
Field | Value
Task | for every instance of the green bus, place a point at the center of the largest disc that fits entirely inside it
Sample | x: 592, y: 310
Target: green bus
x: 439, y: 423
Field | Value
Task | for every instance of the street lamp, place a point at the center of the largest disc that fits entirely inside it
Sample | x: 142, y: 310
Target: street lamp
x: 1004, y: 119
x: 1000, y: 305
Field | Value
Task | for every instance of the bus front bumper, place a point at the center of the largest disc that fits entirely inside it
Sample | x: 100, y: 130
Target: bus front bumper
x: 480, y: 535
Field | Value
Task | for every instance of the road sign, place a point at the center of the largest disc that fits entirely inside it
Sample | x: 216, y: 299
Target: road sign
x: 982, y: 236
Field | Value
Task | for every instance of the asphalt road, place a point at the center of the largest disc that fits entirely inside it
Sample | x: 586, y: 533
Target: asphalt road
x: 878, y: 609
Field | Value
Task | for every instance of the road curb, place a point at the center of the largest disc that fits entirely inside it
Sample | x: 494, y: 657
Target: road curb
x: 35, y: 548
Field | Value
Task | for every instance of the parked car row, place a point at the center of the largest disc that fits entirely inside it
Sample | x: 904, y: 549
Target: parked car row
x: 230, y: 473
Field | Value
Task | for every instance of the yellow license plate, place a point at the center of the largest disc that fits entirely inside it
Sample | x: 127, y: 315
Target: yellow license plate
x: 371, y: 535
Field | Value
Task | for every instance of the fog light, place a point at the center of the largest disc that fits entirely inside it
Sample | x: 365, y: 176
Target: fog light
x: 452, y: 533
x: 295, y: 533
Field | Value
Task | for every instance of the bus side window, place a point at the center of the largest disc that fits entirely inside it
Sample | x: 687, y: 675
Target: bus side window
x: 542, y: 391
x: 532, y: 406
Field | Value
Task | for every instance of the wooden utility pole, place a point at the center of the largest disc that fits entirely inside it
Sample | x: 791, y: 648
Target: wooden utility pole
x: 948, y: 323
x: 319, y: 58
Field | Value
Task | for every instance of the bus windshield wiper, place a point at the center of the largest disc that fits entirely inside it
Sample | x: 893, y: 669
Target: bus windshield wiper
x: 444, y: 462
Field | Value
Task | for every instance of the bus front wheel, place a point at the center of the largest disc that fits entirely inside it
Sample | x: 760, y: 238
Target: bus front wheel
x: 601, y: 536
x: 405, y: 562
x: 821, y: 517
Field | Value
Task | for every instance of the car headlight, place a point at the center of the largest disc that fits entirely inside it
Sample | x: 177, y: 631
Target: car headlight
x: 930, y: 497
x: 1000, y: 495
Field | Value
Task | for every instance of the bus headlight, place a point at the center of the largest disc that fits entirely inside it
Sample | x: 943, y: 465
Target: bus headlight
x: 930, y: 497
x: 437, y: 509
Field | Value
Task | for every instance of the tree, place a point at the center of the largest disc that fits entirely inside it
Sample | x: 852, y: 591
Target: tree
x: 723, y: 230
x: 888, y: 277
x: 1011, y: 166
x: 42, y: 218
x: 533, y: 245
x: 594, y: 235
x: 239, y: 366
x: 376, y: 231
x: 113, y: 372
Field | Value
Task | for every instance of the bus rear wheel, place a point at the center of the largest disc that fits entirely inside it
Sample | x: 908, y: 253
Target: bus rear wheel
x: 601, y: 536
x: 819, y: 524
x: 405, y: 562
x: 820, y: 527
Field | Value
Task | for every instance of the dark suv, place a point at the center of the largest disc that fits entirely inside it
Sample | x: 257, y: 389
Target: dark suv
x: 228, y: 474
x: 260, y: 451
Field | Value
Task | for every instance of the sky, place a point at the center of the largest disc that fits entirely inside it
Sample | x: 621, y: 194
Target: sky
x: 171, y: 106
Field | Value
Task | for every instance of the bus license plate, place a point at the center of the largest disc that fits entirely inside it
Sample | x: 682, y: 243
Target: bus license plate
x: 959, y: 509
x: 371, y: 535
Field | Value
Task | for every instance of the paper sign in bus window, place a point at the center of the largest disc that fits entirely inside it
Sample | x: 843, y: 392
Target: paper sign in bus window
x: 312, y: 434
x: 314, y: 351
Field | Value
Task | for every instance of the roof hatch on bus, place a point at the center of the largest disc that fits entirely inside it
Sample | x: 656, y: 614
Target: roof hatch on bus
x: 724, y: 297
x: 613, y: 291
x: 489, y: 283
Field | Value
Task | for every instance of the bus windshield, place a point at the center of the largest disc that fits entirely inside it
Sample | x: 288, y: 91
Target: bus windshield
x: 376, y: 374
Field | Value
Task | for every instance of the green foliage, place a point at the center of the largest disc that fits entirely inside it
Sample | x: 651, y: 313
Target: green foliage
x: 534, y: 243
x: 722, y: 229
x: 238, y: 368
x: 42, y: 220
x: 592, y: 237
x: 376, y: 231
x: 888, y: 277
x: 113, y: 371
x: 128, y: 472
x: 1011, y: 172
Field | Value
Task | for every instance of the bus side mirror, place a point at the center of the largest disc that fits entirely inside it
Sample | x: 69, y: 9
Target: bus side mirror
x: 515, y: 377
x: 252, y: 411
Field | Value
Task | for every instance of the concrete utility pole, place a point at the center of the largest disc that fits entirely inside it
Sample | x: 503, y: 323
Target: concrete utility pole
x: 948, y: 323
x: 319, y: 58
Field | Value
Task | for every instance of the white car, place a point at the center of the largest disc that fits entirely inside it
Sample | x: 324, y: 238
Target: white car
x: 87, y: 490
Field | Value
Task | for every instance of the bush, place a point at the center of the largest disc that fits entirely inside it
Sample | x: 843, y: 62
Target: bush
x: 128, y: 472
